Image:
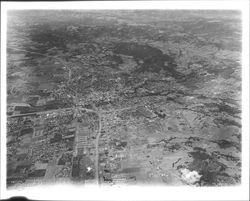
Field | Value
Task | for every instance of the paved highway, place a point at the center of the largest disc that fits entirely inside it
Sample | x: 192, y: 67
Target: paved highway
x: 97, y: 149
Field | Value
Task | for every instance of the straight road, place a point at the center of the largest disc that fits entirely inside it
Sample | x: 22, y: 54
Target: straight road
x: 99, y: 113
x: 70, y: 108
x: 97, y: 149
x: 42, y: 112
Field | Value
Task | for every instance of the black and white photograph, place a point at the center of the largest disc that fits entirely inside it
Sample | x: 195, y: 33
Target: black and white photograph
x: 124, y: 97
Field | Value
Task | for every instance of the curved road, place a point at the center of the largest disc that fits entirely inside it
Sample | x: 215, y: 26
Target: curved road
x: 85, y: 109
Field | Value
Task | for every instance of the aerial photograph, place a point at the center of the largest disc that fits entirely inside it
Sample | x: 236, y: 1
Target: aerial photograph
x: 124, y: 97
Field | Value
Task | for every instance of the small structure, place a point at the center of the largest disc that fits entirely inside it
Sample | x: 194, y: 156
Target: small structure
x: 20, y: 108
x: 145, y: 112
x: 38, y: 131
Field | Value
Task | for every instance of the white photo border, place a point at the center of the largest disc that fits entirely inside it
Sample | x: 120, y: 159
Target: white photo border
x: 69, y: 192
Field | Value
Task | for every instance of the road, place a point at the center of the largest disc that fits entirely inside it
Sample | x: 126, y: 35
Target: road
x: 37, y: 113
x: 97, y: 148
x: 70, y: 108
x: 54, y: 57
x: 99, y: 113
x: 96, y: 141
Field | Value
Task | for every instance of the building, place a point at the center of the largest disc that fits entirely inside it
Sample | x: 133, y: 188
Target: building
x: 38, y: 131
x: 145, y: 112
x: 21, y: 108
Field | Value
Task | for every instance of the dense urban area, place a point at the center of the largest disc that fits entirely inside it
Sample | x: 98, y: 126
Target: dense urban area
x: 131, y: 97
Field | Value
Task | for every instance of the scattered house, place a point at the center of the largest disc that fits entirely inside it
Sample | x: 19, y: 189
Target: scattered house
x: 84, y: 130
x: 80, y: 150
x: 71, y: 128
x: 37, y: 173
x: 41, y: 102
x: 120, y: 155
x: 15, y: 179
x: 32, y: 99
x: 145, y: 112
x: 123, y: 178
x: 25, y: 140
x: 22, y: 151
x: 39, y: 166
x: 38, y: 131
x: 20, y: 108
x: 69, y: 136
x: 38, y: 121
x: 82, y: 141
x: 10, y: 109
x: 26, y: 131
x: 130, y: 170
